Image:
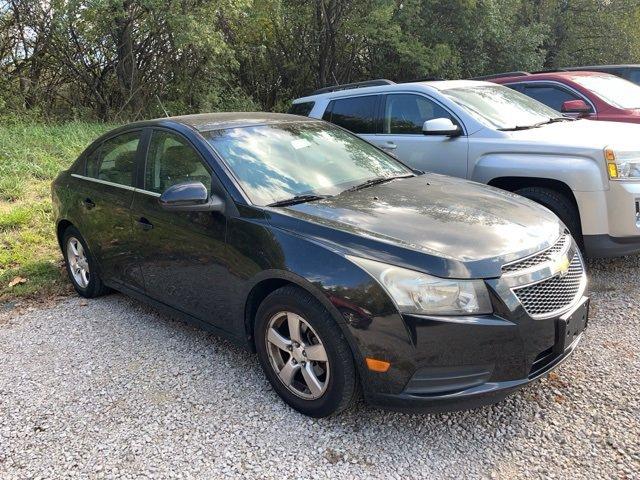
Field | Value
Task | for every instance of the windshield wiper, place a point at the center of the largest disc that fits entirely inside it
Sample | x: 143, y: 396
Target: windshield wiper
x: 375, y: 181
x: 561, y: 119
x: 297, y: 199
x: 536, y: 125
x: 519, y: 127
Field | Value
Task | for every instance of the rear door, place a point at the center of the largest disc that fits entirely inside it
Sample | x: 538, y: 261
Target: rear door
x: 358, y: 114
x: 403, y: 116
x: 105, y: 192
x: 183, y: 254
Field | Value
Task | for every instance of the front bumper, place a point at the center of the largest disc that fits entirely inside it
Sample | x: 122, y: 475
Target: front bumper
x: 465, y: 364
x: 610, y: 226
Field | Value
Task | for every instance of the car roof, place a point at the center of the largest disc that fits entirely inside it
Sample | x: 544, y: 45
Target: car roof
x: 554, y: 75
x: 204, y: 122
x: 440, y: 85
x: 596, y: 67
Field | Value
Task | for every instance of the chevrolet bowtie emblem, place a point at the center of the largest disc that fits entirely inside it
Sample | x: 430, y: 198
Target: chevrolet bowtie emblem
x: 561, y: 265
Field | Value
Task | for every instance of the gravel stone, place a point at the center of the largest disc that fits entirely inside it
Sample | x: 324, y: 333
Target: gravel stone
x: 110, y: 388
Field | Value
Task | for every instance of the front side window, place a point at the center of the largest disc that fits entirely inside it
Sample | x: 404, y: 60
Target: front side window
x: 357, y: 114
x: 172, y: 160
x: 276, y: 162
x: 114, y: 161
x: 615, y: 91
x: 552, y: 96
x: 406, y: 113
x: 500, y: 106
x: 634, y: 76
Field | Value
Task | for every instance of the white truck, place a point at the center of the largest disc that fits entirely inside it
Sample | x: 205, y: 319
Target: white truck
x: 586, y: 172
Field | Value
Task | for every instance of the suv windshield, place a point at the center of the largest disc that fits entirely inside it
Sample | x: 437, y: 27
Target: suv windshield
x: 614, y: 90
x: 501, y: 107
x: 281, y: 161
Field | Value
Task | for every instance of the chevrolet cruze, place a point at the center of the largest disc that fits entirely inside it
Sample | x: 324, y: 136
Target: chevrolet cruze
x: 345, y: 270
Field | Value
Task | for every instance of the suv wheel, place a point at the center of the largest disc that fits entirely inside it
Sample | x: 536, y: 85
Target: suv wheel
x: 304, y: 354
x: 81, y: 265
x: 559, y: 204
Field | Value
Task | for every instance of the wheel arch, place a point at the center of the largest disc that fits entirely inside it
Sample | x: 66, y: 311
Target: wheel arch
x: 269, y: 281
x: 61, y: 226
x: 513, y: 184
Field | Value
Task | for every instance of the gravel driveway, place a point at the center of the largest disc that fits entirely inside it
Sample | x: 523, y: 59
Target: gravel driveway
x: 111, y: 389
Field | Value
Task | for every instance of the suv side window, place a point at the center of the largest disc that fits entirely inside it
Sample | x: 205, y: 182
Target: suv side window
x: 303, y: 109
x: 405, y: 113
x: 172, y: 160
x: 114, y: 161
x: 551, y: 95
x: 357, y: 114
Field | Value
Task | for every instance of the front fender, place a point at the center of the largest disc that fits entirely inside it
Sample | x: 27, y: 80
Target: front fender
x: 579, y: 173
x: 362, y: 309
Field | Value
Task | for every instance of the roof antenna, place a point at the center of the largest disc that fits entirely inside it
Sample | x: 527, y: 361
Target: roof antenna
x: 333, y: 74
x: 166, y: 114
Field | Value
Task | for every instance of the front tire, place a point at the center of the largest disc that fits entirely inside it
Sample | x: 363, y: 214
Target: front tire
x: 81, y: 266
x: 559, y: 204
x: 304, y: 354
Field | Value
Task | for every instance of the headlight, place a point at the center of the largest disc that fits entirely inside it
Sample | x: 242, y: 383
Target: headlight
x: 415, y: 292
x: 622, y: 163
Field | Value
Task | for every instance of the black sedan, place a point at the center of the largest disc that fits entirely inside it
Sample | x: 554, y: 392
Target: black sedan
x: 342, y: 268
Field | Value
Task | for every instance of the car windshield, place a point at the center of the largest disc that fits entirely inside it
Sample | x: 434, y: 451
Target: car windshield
x: 614, y: 90
x: 277, y: 162
x: 500, y: 106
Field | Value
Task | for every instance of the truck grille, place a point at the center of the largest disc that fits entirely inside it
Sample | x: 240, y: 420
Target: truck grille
x: 561, y: 245
x: 553, y: 295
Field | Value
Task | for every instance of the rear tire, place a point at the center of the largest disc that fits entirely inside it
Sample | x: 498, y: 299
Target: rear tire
x: 559, y: 204
x: 81, y: 265
x: 304, y: 354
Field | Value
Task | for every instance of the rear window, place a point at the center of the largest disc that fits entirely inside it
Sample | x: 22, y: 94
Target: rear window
x: 357, y: 114
x: 303, y: 108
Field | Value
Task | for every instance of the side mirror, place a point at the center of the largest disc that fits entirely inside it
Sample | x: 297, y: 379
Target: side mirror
x: 579, y: 107
x: 190, y: 197
x: 441, y: 126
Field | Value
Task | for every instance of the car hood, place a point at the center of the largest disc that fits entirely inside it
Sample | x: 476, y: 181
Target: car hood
x: 582, y: 134
x: 441, y: 225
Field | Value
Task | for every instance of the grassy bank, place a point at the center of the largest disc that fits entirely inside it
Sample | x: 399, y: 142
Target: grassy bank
x: 31, y: 155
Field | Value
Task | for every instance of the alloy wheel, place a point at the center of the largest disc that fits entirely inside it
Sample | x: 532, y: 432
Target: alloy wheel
x: 297, y: 355
x: 78, y: 262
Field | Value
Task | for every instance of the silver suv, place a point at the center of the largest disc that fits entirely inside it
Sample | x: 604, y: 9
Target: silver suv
x: 587, y: 173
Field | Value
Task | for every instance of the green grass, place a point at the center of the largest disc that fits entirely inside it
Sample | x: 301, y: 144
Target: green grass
x: 31, y: 155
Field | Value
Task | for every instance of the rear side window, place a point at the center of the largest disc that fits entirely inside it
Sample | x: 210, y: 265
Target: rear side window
x: 303, y: 109
x: 406, y: 113
x: 550, y: 95
x: 172, y: 160
x: 114, y: 161
x: 357, y: 114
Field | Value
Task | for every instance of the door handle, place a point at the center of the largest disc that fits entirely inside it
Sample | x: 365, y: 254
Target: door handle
x: 389, y: 146
x: 144, y: 224
x: 88, y: 203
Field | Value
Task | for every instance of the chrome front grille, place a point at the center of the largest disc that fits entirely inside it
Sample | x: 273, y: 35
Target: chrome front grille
x: 553, y: 295
x: 563, y: 244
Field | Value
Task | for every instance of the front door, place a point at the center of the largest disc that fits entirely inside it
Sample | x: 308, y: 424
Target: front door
x: 182, y: 253
x: 105, y: 193
x: 403, y: 117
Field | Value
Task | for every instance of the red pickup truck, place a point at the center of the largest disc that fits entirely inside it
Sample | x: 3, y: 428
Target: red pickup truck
x: 593, y: 95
